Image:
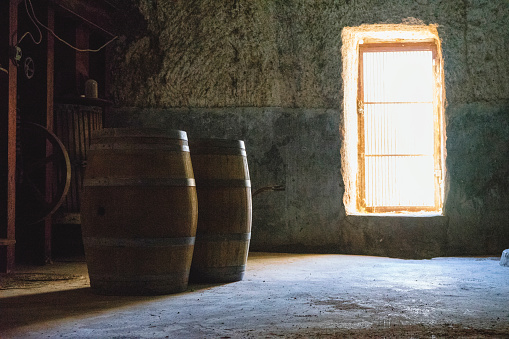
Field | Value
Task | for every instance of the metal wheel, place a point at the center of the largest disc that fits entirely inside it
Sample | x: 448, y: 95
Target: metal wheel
x: 41, y: 155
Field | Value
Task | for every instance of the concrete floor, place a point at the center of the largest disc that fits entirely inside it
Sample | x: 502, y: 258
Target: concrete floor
x: 282, y: 295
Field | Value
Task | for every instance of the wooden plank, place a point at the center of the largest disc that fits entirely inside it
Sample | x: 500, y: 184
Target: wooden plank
x: 7, y: 259
x: 82, y: 58
x: 95, y: 13
x: 7, y: 242
x: 50, y: 63
x: 361, y: 182
x: 50, y: 67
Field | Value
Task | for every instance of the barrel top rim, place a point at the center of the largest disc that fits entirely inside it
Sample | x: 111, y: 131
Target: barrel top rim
x: 217, y: 142
x: 140, y: 132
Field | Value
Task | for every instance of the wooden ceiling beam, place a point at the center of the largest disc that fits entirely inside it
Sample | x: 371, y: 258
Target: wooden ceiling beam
x: 95, y: 13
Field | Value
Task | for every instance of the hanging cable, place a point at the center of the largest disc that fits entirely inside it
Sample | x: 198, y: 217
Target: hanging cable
x: 34, y: 20
x: 28, y: 33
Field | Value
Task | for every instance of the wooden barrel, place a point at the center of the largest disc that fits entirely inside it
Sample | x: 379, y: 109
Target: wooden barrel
x: 74, y: 125
x: 224, y: 214
x: 139, y: 211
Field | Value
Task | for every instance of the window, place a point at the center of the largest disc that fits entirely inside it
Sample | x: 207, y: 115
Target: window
x: 398, y: 129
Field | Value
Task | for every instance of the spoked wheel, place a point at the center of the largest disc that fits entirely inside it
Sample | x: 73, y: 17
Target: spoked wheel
x: 43, y: 173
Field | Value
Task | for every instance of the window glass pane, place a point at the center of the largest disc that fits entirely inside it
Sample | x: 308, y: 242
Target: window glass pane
x: 405, y: 76
x: 398, y: 129
x: 398, y: 181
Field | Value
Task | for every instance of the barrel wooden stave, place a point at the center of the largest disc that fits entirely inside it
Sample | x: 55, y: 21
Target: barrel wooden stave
x: 225, y: 210
x: 139, y: 269
x: 113, y: 208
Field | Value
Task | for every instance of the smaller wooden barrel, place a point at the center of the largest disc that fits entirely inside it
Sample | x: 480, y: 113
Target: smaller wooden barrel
x: 224, y: 214
x: 139, y: 211
x: 74, y: 125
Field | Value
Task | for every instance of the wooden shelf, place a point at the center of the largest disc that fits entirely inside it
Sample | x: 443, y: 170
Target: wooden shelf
x: 83, y: 101
x: 67, y: 218
x: 7, y: 242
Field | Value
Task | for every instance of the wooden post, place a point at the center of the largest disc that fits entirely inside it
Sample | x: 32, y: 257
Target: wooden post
x: 50, y: 63
x: 82, y: 58
x: 7, y: 245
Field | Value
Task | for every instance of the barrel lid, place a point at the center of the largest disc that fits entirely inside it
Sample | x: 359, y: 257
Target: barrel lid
x: 216, y: 142
x: 139, y: 132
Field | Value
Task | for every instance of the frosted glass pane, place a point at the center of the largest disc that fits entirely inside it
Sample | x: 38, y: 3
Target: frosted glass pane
x: 398, y: 76
x: 399, y: 181
x: 398, y: 129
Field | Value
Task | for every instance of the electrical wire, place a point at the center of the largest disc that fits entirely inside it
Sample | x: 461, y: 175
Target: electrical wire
x: 54, y: 34
x: 28, y: 33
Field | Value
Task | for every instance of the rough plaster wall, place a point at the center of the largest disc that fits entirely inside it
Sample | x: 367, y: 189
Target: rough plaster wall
x: 261, y: 54
x: 201, y: 54
x: 478, y: 128
x: 478, y: 151
x: 238, y: 53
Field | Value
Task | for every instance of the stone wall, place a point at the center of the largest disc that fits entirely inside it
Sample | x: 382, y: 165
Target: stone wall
x: 269, y: 72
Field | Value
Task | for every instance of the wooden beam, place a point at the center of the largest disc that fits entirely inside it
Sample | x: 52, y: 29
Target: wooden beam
x: 7, y: 242
x: 82, y: 58
x: 50, y: 66
x: 95, y: 13
x: 7, y: 260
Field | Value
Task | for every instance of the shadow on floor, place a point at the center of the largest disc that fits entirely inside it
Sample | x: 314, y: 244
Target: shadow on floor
x: 26, y: 310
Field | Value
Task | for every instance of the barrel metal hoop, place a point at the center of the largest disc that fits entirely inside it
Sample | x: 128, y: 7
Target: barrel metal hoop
x: 223, y: 183
x: 148, y: 182
x: 217, y: 142
x: 217, y: 273
x: 224, y: 269
x: 140, y: 133
x: 135, y: 147
x: 223, y: 237
x: 138, y: 242
x: 217, y: 151
x: 131, y: 278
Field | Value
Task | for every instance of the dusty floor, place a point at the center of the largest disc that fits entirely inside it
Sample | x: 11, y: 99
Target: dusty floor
x: 282, y: 295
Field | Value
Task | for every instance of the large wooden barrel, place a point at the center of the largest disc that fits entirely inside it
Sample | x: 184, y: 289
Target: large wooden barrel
x: 139, y: 211
x: 224, y: 214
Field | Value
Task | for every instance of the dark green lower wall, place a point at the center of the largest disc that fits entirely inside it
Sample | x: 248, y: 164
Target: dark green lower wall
x: 300, y: 149
x: 477, y: 202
